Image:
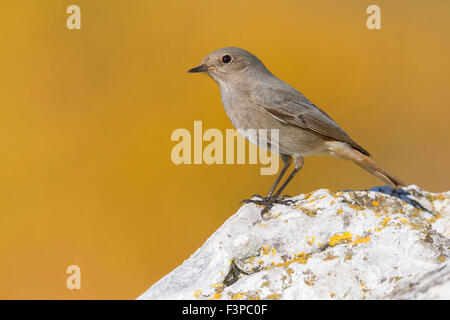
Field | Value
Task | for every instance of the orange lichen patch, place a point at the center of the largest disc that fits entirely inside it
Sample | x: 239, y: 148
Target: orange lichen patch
x: 315, y: 199
x: 433, y: 220
x: 238, y: 295
x: 301, y: 258
x: 260, y: 261
x: 355, y: 207
x: 385, y: 222
x: 330, y: 257
x: 311, y: 242
x: 361, y: 240
x: 415, y: 226
x: 336, y: 239
x: 332, y: 295
x: 274, y: 296
x: 265, y: 284
x: 268, y: 250
x: 197, y: 293
x: 308, y: 196
x: 339, y: 211
x: 375, y: 203
x: 308, y: 212
x: 442, y: 258
x: 263, y: 225
x: 441, y: 197
x: 254, y: 298
x: 332, y: 202
x: 278, y: 215
x: 218, y: 286
x: 216, y: 296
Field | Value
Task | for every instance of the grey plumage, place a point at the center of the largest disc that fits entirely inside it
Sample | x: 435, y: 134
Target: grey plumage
x: 255, y: 99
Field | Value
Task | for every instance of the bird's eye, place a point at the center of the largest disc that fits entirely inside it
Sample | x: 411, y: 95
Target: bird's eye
x: 226, y: 59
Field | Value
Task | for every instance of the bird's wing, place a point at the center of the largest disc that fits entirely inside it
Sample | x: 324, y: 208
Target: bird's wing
x: 292, y: 108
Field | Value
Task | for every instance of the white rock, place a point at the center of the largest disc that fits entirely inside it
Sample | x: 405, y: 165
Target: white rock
x: 376, y: 244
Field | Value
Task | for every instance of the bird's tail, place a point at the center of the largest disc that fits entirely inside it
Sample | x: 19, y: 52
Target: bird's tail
x: 365, y: 162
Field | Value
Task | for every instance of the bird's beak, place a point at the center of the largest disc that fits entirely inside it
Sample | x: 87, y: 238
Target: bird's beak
x: 200, y: 68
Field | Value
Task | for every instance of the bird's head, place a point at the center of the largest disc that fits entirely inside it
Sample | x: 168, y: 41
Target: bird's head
x: 228, y: 64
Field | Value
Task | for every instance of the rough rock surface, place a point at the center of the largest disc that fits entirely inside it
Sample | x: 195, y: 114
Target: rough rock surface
x: 376, y: 244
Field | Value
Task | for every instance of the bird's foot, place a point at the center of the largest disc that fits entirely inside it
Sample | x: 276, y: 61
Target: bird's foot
x: 268, y: 202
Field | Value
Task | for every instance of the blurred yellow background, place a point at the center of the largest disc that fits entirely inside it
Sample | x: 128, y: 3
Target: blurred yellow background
x: 86, y: 117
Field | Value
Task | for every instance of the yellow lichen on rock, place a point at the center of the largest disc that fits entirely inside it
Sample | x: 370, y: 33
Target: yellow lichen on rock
x: 238, y: 295
x: 216, y: 296
x: 434, y: 219
x: 197, y: 293
x: 336, y: 239
x: 311, y: 241
x: 218, y: 286
x: 361, y: 240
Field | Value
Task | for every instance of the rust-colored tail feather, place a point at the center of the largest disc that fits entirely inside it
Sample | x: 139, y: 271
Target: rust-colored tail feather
x: 365, y: 162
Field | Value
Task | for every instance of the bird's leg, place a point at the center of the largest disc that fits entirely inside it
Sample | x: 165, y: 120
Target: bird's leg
x: 287, y: 160
x: 283, y: 186
x: 298, y: 165
x: 270, y: 199
x: 268, y: 202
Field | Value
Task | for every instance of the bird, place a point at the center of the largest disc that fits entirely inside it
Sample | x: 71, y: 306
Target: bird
x: 254, y: 98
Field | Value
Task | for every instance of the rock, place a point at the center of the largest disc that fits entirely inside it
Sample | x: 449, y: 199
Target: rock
x: 376, y: 244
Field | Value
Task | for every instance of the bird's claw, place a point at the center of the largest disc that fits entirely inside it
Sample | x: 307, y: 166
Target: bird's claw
x: 268, y: 202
